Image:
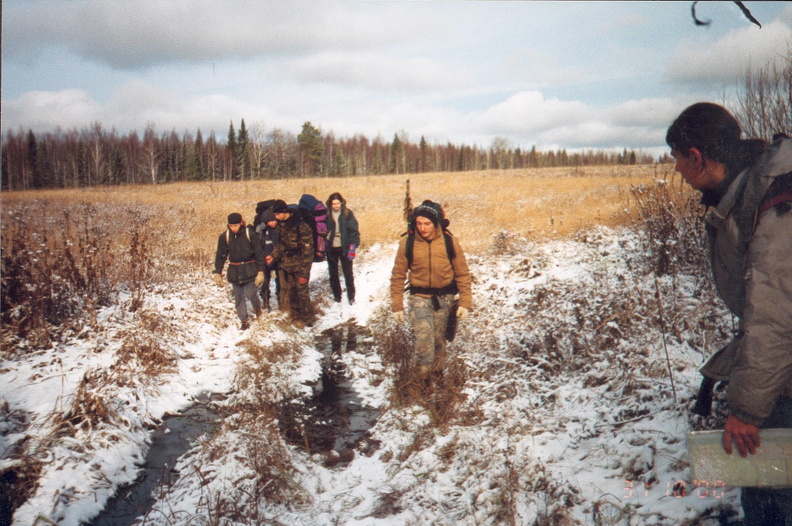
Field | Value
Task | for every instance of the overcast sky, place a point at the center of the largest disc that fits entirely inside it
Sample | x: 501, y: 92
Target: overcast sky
x: 550, y: 74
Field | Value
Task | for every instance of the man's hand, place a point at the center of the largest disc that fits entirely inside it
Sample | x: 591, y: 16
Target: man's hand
x: 462, y: 313
x: 268, y: 260
x: 259, y: 279
x: 218, y: 279
x: 746, y: 436
x: 398, y: 317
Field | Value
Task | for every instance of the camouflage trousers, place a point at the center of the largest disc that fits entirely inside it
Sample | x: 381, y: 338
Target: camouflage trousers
x: 429, y: 317
x: 295, y: 298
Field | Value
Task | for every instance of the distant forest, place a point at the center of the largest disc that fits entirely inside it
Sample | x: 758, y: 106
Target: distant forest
x: 97, y: 157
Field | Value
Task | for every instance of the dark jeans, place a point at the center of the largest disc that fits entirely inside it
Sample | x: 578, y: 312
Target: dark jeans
x: 765, y: 506
x: 334, y: 256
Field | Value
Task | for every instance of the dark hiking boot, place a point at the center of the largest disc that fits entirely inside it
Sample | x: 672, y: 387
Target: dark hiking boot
x: 245, y: 326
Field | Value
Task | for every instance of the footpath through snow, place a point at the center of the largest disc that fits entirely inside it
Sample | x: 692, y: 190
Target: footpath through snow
x: 569, y: 410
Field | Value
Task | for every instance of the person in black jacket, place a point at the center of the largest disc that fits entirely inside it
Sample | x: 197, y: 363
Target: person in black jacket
x: 343, y: 237
x: 267, y: 231
x: 240, y: 245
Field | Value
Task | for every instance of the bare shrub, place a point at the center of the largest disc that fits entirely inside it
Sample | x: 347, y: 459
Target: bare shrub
x: 440, y: 392
x: 505, y: 243
x: 142, y: 350
x: 765, y: 98
x: 672, y: 223
x: 255, y: 414
x: 89, y: 407
x: 60, y: 264
x: 20, y: 471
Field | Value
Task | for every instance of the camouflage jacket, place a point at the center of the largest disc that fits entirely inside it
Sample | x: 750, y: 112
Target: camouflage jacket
x: 295, y: 249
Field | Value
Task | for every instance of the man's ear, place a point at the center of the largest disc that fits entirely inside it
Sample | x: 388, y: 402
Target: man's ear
x: 695, y: 155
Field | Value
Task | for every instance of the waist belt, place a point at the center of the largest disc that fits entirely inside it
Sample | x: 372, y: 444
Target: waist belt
x: 448, y: 289
x: 243, y: 263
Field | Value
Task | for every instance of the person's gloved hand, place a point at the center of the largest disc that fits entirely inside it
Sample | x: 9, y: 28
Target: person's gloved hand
x: 398, y: 317
x: 351, y: 253
x: 462, y: 313
x: 302, y: 281
x: 259, y: 281
x: 218, y: 279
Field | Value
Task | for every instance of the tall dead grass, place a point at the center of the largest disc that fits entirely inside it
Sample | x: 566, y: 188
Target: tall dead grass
x: 67, y: 252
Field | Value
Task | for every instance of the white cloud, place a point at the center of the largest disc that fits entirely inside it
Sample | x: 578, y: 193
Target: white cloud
x: 377, y: 72
x: 723, y: 61
x: 528, y: 111
x: 137, y: 34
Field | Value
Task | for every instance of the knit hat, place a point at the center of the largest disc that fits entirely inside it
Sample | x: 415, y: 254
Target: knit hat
x: 269, y: 215
x: 234, y: 218
x: 432, y: 211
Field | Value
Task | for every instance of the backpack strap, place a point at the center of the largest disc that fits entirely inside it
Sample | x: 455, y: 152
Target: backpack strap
x: 228, y: 234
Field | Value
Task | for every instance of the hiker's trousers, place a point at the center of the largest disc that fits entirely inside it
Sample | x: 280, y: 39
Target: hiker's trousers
x: 243, y: 294
x: 429, y: 317
x: 335, y: 256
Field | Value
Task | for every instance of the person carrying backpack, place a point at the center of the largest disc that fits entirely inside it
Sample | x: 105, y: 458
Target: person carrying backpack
x: 748, y: 184
x: 267, y: 231
x: 435, y: 264
x: 240, y: 245
x: 343, y: 239
x: 294, y: 254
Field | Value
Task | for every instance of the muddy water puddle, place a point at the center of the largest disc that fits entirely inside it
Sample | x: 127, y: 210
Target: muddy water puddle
x: 336, y: 421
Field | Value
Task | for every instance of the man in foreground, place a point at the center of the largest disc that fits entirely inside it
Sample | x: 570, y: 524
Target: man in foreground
x: 433, y: 260
x: 748, y: 184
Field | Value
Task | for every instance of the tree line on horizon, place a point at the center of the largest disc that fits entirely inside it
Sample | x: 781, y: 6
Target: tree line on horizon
x: 95, y: 156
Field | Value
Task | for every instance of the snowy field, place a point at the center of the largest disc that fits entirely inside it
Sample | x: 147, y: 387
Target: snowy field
x: 574, y: 378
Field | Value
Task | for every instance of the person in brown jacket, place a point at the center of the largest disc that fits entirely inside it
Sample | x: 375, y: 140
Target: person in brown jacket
x: 435, y: 264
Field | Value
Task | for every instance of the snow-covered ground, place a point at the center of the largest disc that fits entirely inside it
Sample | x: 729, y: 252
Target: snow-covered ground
x: 577, y: 370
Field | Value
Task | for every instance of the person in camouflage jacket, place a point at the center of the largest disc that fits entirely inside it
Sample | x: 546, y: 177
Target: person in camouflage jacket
x: 294, y: 256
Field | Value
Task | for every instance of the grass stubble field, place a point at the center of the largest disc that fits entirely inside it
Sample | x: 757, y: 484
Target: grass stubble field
x: 539, y: 204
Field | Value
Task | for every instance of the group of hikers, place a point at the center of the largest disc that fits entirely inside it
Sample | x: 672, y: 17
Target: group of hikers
x: 279, y: 248
x: 746, y: 186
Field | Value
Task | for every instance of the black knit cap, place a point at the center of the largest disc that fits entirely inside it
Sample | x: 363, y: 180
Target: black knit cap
x: 430, y: 210
x: 269, y: 215
x: 234, y: 218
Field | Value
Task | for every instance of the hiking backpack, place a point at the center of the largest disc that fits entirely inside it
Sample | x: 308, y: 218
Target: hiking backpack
x: 314, y: 213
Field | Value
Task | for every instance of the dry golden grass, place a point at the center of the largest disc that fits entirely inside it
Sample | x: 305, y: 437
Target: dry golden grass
x: 540, y: 204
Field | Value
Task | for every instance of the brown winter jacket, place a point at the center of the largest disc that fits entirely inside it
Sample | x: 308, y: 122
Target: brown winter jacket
x: 753, y: 275
x: 430, y: 269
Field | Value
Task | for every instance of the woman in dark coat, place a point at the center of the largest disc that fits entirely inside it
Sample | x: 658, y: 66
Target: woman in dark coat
x: 343, y: 239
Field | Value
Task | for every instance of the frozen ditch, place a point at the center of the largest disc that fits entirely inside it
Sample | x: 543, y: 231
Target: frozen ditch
x: 173, y: 439
x: 334, y: 422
